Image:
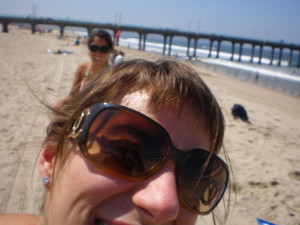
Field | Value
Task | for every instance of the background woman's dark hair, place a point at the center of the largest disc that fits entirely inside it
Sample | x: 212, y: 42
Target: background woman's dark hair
x: 101, y: 34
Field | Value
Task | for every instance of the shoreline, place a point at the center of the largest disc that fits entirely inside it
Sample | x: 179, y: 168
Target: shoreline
x: 284, y: 79
x: 264, y: 154
x: 276, y: 80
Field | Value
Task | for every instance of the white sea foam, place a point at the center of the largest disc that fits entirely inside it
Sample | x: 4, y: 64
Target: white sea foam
x: 270, y: 76
x: 262, y: 76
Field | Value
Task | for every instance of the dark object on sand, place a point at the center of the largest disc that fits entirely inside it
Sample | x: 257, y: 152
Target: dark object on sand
x: 239, y: 112
x: 58, y: 51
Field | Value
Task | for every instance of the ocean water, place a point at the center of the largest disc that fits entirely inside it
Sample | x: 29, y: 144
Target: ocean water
x: 282, y: 78
x: 179, y: 49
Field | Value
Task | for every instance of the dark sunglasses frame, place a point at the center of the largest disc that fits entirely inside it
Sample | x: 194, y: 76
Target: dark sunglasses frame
x: 80, y: 128
x: 101, y: 49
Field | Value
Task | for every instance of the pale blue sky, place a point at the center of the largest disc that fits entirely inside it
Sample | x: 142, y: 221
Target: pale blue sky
x: 274, y: 20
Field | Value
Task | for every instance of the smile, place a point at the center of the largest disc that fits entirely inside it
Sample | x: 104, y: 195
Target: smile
x: 99, y: 222
x: 98, y: 59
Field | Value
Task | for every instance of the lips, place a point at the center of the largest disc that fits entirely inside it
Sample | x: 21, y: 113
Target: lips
x: 97, y: 222
x: 98, y: 59
x: 100, y: 222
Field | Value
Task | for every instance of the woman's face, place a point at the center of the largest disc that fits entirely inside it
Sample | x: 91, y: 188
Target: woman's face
x: 85, y: 195
x: 97, y: 57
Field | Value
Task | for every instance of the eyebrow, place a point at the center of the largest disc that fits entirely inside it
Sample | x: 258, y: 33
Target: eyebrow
x: 139, y: 133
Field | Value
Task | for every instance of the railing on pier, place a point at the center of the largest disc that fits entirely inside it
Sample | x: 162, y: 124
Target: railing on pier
x: 169, y: 34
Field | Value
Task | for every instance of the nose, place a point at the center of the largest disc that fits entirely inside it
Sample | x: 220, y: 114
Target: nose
x: 157, y: 196
x: 99, y: 53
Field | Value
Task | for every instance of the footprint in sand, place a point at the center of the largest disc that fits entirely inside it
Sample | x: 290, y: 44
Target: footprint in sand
x: 273, y: 207
x: 237, y: 188
x: 49, y: 89
x: 295, y: 175
x: 258, y: 184
x: 274, y: 183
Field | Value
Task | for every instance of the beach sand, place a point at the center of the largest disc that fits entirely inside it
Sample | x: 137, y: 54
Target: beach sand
x: 264, y: 155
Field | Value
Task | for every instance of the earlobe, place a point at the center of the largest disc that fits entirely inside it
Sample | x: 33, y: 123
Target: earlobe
x: 46, y: 161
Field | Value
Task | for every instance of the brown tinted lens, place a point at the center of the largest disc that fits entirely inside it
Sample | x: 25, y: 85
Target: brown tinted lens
x: 125, y: 143
x: 202, y: 188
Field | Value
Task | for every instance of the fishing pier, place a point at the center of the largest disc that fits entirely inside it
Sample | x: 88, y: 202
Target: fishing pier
x: 257, y: 47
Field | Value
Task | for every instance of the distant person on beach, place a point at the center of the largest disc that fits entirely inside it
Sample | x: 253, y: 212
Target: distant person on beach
x: 77, y: 41
x: 138, y: 145
x: 112, y: 57
x: 100, y: 46
x: 120, y: 57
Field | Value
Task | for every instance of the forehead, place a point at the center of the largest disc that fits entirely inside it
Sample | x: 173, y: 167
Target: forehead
x: 186, y: 128
x: 99, y: 41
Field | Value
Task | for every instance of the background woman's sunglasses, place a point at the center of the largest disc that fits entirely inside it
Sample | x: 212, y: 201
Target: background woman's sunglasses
x: 101, y: 49
x: 129, y: 144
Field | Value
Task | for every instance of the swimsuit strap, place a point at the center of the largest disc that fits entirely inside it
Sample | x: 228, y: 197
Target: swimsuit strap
x: 88, y: 72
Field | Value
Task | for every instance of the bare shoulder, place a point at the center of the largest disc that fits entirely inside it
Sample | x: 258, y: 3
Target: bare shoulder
x: 80, y: 72
x: 83, y: 67
x: 18, y: 219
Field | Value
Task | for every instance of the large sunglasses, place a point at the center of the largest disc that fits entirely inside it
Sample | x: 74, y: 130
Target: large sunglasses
x: 131, y: 145
x: 101, y: 49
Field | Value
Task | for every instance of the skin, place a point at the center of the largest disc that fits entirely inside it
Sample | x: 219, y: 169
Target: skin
x: 14, y: 219
x: 99, y: 61
x: 83, y: 194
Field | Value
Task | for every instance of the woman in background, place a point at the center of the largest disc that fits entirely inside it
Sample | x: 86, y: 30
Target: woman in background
x: 100, y: 46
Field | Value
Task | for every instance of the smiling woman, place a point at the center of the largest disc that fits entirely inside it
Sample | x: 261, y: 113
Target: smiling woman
x: 100, y: 46
x: 138, y: 146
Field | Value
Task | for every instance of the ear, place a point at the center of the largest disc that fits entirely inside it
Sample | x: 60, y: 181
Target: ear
x: 46, y: 160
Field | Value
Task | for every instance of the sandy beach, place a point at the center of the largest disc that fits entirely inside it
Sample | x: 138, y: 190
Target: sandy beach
x: 264, y: 154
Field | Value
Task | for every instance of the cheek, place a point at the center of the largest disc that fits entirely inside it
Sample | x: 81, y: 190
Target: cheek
x: 91, y: 54
x: 104, y: 55
x: 186, y: 217
x: 80, y: 180
x: 98, y: 54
